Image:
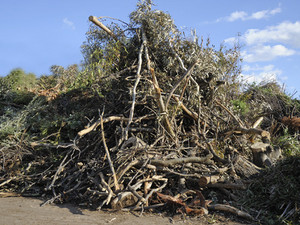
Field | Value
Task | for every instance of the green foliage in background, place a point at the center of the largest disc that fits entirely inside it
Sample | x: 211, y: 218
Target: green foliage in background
x: 17, y: 86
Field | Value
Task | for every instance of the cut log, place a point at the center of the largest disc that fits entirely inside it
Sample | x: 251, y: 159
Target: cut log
x: 244, y: 168
x: 205, y: 180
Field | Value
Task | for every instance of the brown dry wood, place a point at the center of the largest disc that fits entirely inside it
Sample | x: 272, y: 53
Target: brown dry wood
x: 112, y: 118
x: 185, y: 109
x: 108, y: 189
x: 8, y: 181
x: 108, y: 156
x: 9, y: 194
x: 205, y: 180
x: 250, y: 131
x: 158, y: 96
x: 47, y: 145
x: 161, y: 104
x: 187, y: 73
x: 231, y: 209
x: 138, y: 78
x: 244, y: 168
x: 103, y: 27
x: 258, y: 122
x: 236, y: 118
x: 60, y: 169
x: 123, y: 200
x: 171, y: 162
x: 182, y: 64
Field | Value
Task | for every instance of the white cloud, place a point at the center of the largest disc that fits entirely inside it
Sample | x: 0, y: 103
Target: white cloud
x: 285, y: 32
x: 237, y: 15
x: 260, y: 74
x: 275, y: 11
x: 259, y: 15
x: 261, y: 53
x: 242, y: 15
x: 69, y: 23
x: 281, y: 40
x: 264, y: 13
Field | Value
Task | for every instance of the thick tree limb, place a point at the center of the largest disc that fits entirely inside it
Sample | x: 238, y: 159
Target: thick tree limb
x: 263, y: 133
x: 103, y: 27
x: 231, y: 209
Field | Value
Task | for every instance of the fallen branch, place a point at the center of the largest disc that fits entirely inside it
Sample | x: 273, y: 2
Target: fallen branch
x: 111, y: 118
x: 161, y: 104
x: 7, y: 181
x: 103, y: 27
x: 251, y: 131
x: 108, y: 156
x: 171, y: 162
x: 231, y: 209
x: 108, y: 189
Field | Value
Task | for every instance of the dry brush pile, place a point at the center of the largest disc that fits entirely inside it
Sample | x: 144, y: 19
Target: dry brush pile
x: 167, y: 136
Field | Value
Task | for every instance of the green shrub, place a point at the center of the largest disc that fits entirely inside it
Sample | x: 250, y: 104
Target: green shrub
x: 17, y: 87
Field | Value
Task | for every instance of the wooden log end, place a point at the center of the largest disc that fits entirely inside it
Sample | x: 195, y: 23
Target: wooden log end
x: 92, y: 18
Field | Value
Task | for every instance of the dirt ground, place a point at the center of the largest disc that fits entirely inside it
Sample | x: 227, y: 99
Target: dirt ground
x: 20, y: 210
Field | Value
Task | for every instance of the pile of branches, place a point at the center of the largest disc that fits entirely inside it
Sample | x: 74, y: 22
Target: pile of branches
x: 169, y: 138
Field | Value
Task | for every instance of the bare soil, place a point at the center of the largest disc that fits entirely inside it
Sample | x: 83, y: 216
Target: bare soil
x: 20, y: 210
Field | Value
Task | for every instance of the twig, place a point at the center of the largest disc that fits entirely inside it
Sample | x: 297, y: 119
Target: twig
x: 51, y: 200
x: 108, y: 189
x: 59, y: 170
x: 212, y: 151
x: 108, y: 155
x: 112, y: 118
x: 238, y: 120
x: 159, y: 98
x: 187, y: 73
x: 130, y: 165
x: 182, y: 65
x: 161, y: 105
x: 171, y: 162
x: 258, y: 122
x: 138, y: 77
x: 7, y: 181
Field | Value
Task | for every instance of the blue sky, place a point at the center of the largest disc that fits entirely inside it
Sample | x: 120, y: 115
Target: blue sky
x: 36, y: 34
